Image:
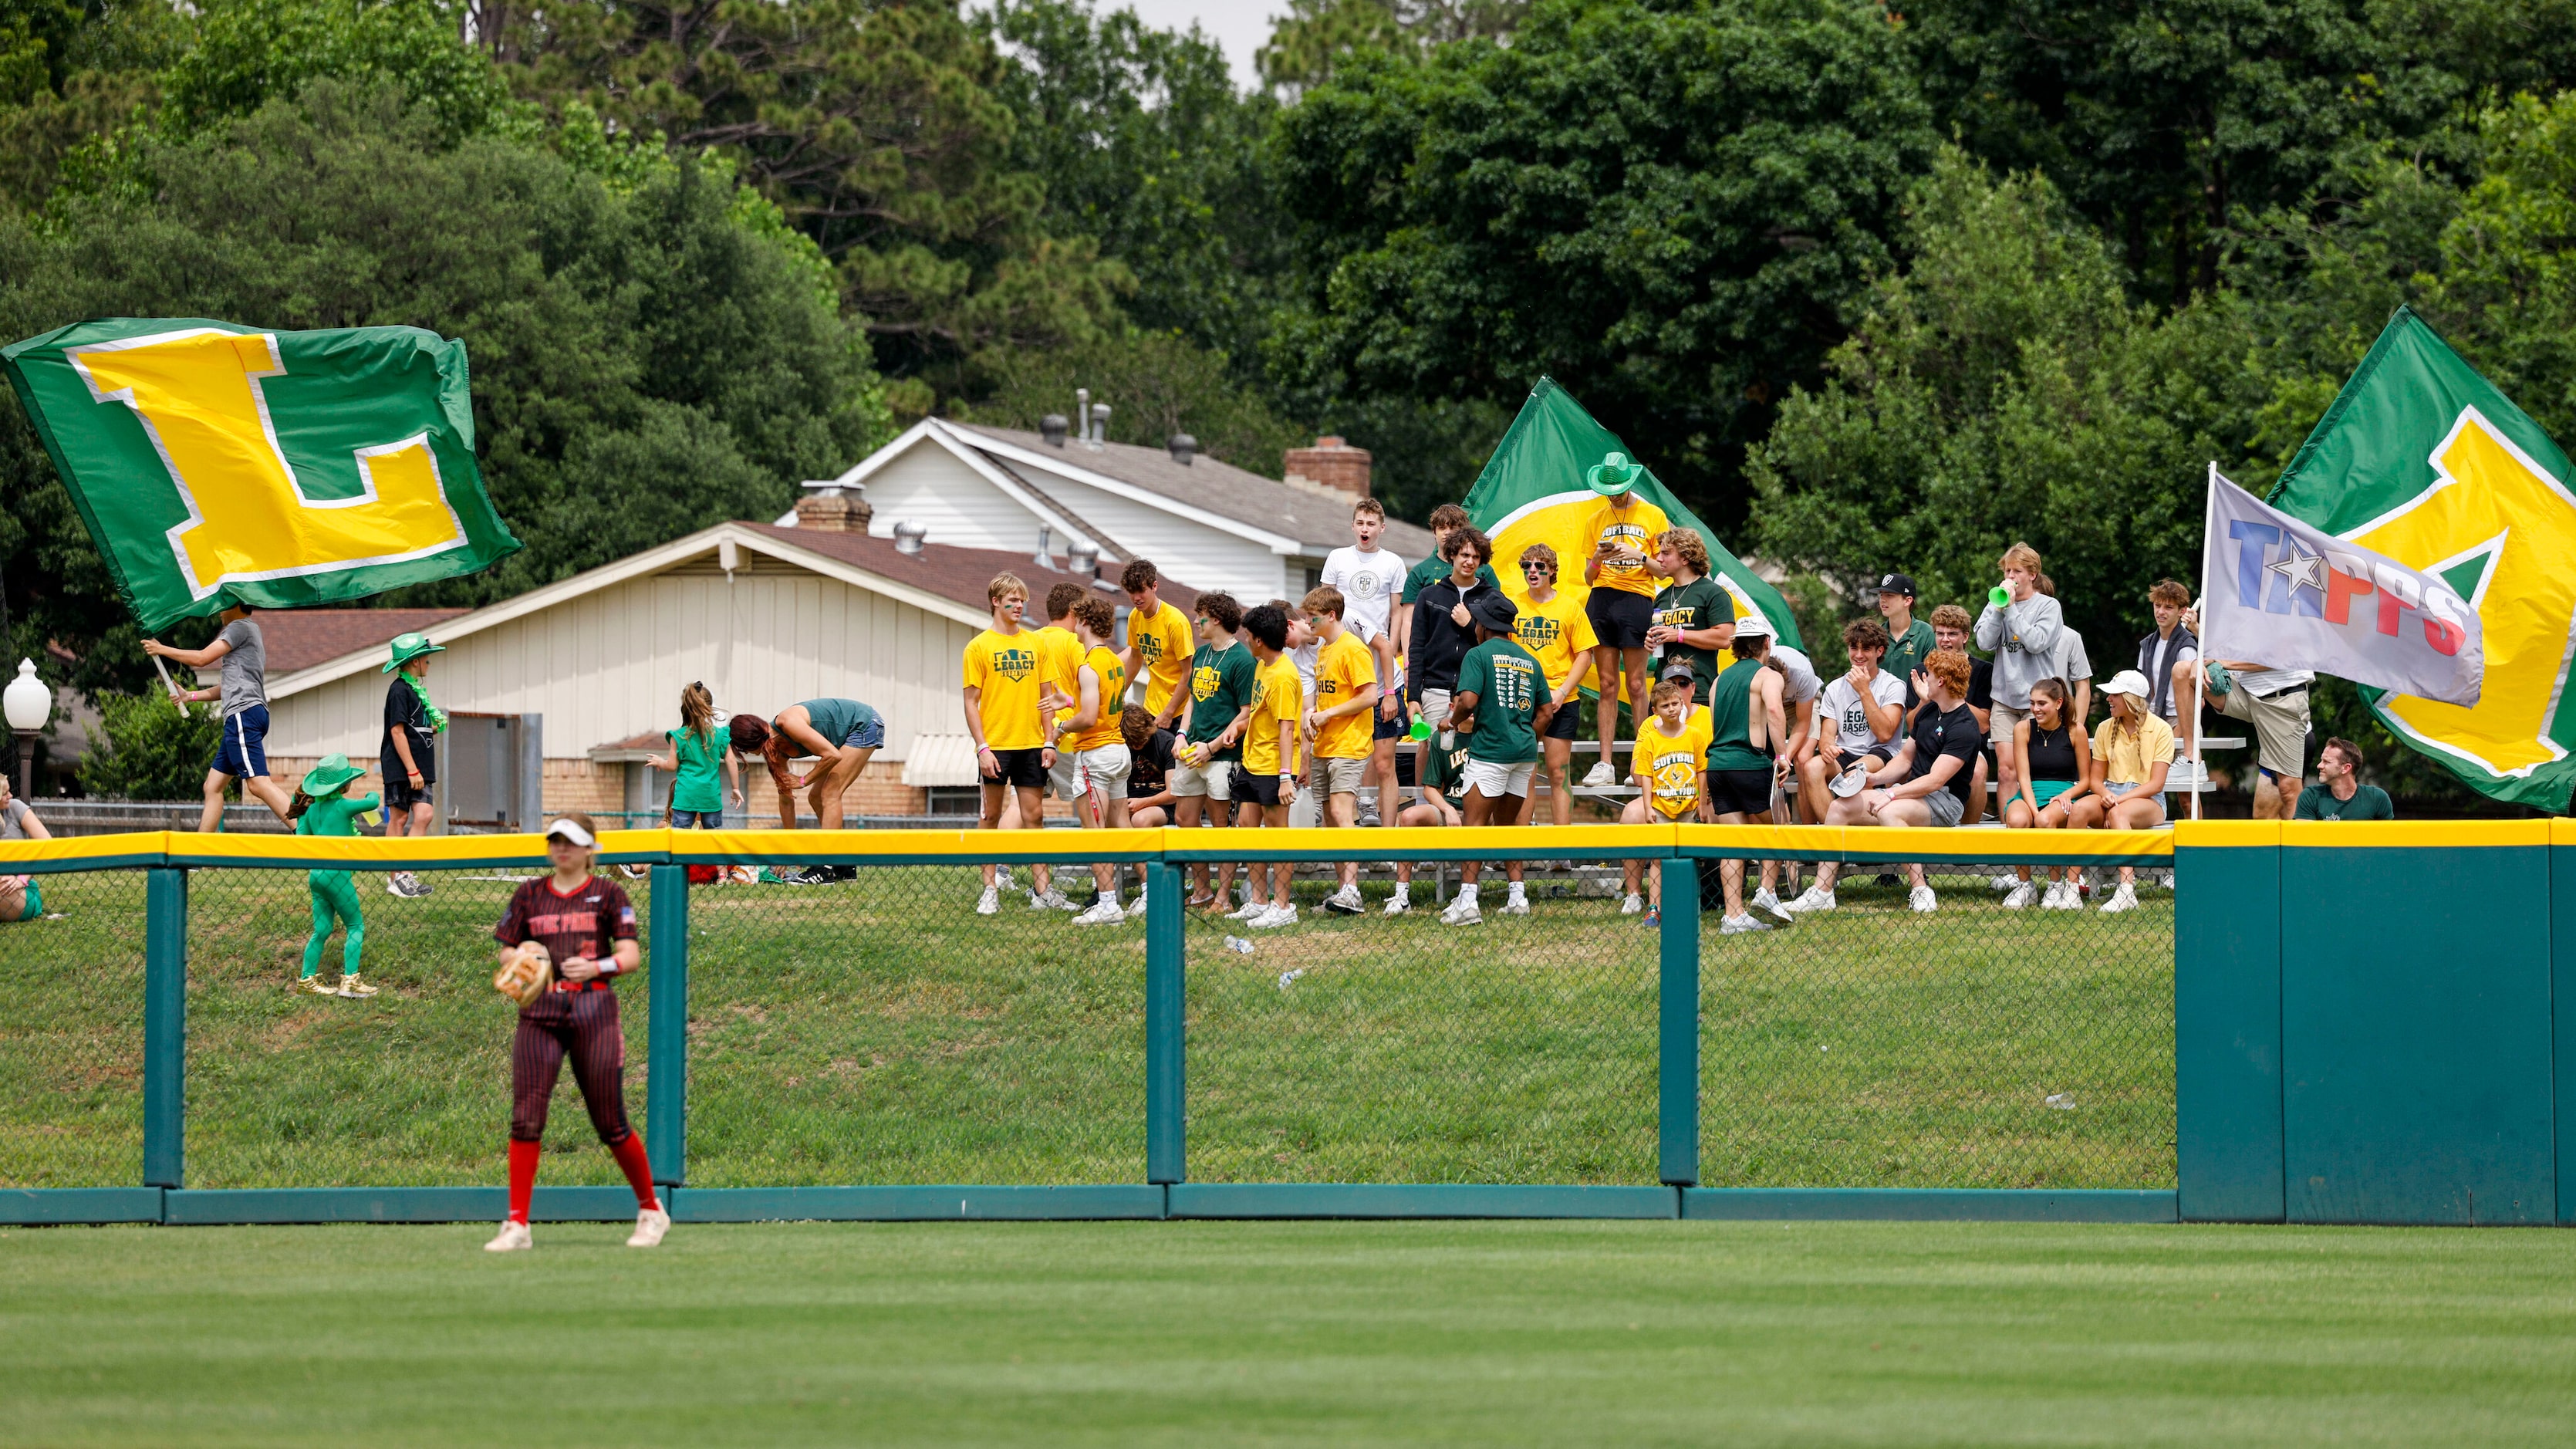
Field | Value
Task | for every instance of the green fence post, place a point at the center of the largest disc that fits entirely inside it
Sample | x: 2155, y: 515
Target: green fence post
x: 165, y: 1026
x: 1166, y: 962
x: 1677, y: 1054
x: 666, y: 1091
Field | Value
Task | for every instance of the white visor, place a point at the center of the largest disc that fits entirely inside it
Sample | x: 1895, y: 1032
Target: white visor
x: 572, y: 832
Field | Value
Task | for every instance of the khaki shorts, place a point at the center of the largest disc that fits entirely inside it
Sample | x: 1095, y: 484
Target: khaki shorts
x: 1210, y: 779
x: 1104, y: 769
x: 1999, y: 725
x: 1338, y: 777
x: 2280, y: 728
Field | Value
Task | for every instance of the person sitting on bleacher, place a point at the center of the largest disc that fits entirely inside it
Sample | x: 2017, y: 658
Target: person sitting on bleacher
x: 2132, y: 751
x: 1926, y: 784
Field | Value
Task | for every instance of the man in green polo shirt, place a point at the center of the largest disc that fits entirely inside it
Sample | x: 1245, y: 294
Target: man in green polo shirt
x: 2339, y: 793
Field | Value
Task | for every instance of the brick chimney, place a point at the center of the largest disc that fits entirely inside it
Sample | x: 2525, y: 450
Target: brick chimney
x: 1331, y: 466
x: 833, y: 510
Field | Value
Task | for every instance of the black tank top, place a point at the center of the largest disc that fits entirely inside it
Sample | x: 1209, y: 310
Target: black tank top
x: 2052, y: 754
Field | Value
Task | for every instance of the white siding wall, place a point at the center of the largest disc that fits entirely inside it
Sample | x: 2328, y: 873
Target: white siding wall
x: 610, y: 664
x: 930, y: 486
x: 1198, y: 554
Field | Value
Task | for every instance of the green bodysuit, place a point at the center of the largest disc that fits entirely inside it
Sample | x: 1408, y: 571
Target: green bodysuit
x: 333, y: 895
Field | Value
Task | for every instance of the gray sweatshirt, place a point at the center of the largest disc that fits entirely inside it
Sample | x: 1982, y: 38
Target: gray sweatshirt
x: 2023, y: 638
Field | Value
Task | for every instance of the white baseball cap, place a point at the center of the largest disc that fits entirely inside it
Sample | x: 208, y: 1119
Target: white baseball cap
x: 2127, y: 681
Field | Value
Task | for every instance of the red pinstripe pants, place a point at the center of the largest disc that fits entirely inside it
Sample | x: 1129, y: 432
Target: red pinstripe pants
x: 583, y: 1026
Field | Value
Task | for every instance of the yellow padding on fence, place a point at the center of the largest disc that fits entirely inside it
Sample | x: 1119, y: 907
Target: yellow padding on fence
x: 1812, y: 839
x: 1570, y: 839
x: 150, y: 844
x: 2440, y: 833
x: 363, y: 851
x: 2227, y: 834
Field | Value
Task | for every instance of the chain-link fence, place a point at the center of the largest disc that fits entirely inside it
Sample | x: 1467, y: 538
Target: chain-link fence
x: 71, y: 1031
x: 1980, y: 1044
x: 1374, y: 1048
x: 880, y: 1029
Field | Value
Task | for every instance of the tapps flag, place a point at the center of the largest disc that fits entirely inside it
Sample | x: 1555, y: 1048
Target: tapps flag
x: 2291, y: 596
x: 2425, y: 462
x: 214, y: 462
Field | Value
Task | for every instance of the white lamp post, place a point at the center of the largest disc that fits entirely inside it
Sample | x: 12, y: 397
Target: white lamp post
x: 28, y: 705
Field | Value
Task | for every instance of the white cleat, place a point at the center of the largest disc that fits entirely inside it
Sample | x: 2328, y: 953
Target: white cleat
x: 1398, y: 904
x: 1273, y: 918
x: 991, y: 902
x: 1738, y: 925
x: 1103, y: 912
x: 1922, y: 900
x: 1815, y: 898
x: 1462, y: 912
x: 1601, y: 774
x: 514, y: 1237
x: 2023, y: 893
x: 1632, y: 905
x: 2123, y: 899
x: 650, y: 1225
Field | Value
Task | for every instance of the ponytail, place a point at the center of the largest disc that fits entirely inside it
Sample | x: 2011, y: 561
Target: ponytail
x: 698, y: 711
x: 302, y: 802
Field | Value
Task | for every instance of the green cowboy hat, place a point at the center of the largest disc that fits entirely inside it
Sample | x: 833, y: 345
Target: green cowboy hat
x: 330, y: 776
x: 1614, y: 475
x: 408, y: 647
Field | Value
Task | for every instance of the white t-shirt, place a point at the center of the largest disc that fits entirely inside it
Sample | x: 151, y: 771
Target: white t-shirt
x: 1842, y: 706
x: 1802, y: 684
x: 1370, y: 583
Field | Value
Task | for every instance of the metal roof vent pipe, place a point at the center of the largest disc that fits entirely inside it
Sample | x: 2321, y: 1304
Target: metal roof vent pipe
x: 1099, y: 425
x: 1052, y: 427
x: 1183, y: 446
x: 1082, y: 558
x: 1082, y: 413
x: 1046, y: 535
x: 908, y: 537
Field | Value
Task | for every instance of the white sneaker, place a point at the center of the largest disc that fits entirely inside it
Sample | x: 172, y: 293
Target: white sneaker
x: 1738, y: 925
x: 990, y: 903
x: 1105, y: 912
x: 1053, y: 900
x: 2021, y: 897
x: 2123, y: 899
x: 1814, y: 898
x: 650, y: 1225
x: 1601, y: 773
x: 1922, y: 899
x: 1631, y: 905
x: 1247, y: 910
x: 1399, y: 903
x: 1462, y: 912
x: 1767, y: 901
x: 2004, y: 882
x: 1515, y: 904
x: 513, y: 1238
x: 1136, y: 907
x: 2062, y: 897
x: 1345, y: 902
x: 1273, y: 917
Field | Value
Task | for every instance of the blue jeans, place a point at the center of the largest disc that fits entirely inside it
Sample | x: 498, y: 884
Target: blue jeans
x: 697, y: 819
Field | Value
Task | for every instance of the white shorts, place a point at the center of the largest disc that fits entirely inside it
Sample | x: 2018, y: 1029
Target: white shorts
x: 1104, y: 769
x: 1211, y: 779
x: 1338, y: 777
x: 1495, y: 780
x: 1061, y: 774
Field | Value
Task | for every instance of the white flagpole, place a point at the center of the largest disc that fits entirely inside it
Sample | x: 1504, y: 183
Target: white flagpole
x: 2208, y: 526
x: 163, y: 670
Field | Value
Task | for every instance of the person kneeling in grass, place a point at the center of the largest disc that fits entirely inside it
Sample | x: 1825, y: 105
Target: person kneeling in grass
x: 1267, y: 784
x: 1671, y: 775
x: 1926, y: 784
x: 1339, y: 725
x: 2132, y: 751
x: 2048, y: 750
x: 587, y: 926
x: 1501, y: 704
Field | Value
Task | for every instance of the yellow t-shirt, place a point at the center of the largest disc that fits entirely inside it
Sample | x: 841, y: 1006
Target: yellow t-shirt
x: 1113, y: 688
x: 1059, y: 655
x: 1554, y: 633
x: 1005, y: 667
x: 1277, y: 696
x: 1163, y: 647
x: 1341, y: 669
x: 1638, y: 526
x: 2129, y: 759
x: 1673, y: 761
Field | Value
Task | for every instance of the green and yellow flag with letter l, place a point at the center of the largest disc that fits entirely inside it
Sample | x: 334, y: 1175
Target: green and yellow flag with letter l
x: 216, y: 463
x: 2425, y: 461
x: 1532, y: 491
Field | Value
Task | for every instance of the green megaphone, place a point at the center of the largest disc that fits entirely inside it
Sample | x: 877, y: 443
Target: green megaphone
x: 1999, y: 596
x: 1421, y: 730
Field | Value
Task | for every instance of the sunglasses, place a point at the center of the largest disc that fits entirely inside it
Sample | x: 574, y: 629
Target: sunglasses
x: 1537, y: 568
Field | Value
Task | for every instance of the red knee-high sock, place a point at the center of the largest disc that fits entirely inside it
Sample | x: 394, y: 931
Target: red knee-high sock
x: 639, y: 1173
x: 523, y: 1176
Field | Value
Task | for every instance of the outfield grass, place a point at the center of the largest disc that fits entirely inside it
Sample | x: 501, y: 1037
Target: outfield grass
x: 880, y: 1032
x: 1738, y: 1333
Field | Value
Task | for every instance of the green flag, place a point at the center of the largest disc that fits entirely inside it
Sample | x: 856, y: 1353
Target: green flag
x: 2425, y: 461
x: 1532, y: 491
x: 216, y: 463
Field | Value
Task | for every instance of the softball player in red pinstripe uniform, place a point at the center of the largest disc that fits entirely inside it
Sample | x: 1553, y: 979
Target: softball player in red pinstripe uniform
x: 588, y: 925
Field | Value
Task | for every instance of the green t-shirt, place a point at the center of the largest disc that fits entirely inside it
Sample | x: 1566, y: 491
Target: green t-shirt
x: 1431, y: 571
x: 2369, y: 802
x: 1220, y: 686
x: 1730, y: 717
x: 335, y: 815
x: 1702, y: 603
x: 1905, y: 654
x: 1508, y: 684
x: 696, y: 788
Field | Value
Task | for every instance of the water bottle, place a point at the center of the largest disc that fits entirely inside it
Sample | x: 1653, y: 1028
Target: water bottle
x: 1238, y: 945
x: 2062, y: 1101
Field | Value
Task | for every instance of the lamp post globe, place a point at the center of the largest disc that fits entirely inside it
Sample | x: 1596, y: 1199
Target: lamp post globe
x: 28, y: 704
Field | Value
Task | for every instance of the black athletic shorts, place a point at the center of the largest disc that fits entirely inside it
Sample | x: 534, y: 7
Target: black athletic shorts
x: 1258, y: 789
x: 399, y: 794
x: 1023, y: 768
x: 1739, y: 792
x: 1619, y: 619
x: 1383, y: 728
x: 1562, y: 727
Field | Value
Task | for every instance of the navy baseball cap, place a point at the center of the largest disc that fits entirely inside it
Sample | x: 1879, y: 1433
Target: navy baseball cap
x: 1897, y: 584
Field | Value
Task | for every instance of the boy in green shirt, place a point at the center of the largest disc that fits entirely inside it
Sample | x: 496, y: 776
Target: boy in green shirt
x: 1220, y: 702
x: 1501, y: 703
x: 322, y: 808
